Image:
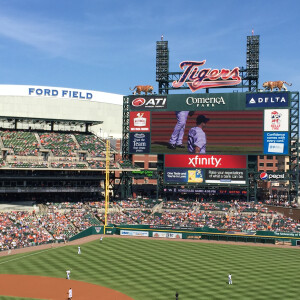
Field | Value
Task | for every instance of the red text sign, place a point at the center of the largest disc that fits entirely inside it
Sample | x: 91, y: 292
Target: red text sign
x: 205, y: 78
x: 206, y: 161
x: 140, y: 121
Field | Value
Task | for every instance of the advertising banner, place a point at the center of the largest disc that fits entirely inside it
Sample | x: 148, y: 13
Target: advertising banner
x: 151, y: 102
x: 276, y: 120
x: 276, y: 143
x: 170, y: 235
x: 140, y: 121
x: 208, y: 102
x: 139, y: 142
x: 206, y: 161
x: 256, y: 100
x: 134, y: 233
x: 276, y: 176
x: 179, y: 175
x: 205, y: 176
x: 203, y: 191
x: 225, y: 176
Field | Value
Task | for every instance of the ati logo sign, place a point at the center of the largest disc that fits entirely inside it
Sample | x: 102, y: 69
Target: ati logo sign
x: 205, y: 78
x: 149, y: 102
x: 265, y: 176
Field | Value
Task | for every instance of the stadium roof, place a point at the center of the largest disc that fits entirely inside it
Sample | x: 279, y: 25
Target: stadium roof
x: 49, y: 121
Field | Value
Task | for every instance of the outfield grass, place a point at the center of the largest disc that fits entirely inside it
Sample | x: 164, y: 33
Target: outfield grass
x: 156, y: 269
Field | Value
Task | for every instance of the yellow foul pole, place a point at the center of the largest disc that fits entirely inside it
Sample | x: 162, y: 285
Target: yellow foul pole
x: 107, y: 183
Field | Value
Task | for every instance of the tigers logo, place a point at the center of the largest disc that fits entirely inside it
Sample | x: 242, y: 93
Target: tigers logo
x: 206, y: 78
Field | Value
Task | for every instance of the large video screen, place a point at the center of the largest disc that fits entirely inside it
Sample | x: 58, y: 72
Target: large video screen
x: 233, y: 123
x: 239, y: 132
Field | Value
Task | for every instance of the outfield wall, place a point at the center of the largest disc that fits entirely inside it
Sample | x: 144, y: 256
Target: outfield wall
x: 265, y: 237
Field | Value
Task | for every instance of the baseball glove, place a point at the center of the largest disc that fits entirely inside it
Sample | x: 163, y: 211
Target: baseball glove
x: 191, y: 113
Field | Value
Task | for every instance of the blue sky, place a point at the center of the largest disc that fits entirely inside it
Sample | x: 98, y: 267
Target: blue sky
x: 110, y: 45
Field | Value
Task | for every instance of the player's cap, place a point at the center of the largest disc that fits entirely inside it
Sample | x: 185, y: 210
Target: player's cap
x: 201, y: 119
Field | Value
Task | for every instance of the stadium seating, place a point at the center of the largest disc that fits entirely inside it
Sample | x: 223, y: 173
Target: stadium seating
x: 60, y: 221
x: 57, y: 150
x: 21, y: 142
x: 91, y: 143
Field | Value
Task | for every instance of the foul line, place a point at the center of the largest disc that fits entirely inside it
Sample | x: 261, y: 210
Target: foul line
x: 42, y: 251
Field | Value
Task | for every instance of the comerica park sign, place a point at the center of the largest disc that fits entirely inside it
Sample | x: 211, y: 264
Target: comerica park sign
x: 197, y: 78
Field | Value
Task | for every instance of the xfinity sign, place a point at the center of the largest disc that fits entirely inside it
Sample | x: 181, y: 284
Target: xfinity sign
x: 267, y: 100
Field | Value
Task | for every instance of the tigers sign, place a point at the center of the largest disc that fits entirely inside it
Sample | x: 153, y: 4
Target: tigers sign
x: 206, y: 78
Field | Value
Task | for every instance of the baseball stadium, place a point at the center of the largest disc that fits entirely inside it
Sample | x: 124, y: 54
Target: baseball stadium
x: 152, y: 195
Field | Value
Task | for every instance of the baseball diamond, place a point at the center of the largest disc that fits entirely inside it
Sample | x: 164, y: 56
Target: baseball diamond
x: 146, y: 269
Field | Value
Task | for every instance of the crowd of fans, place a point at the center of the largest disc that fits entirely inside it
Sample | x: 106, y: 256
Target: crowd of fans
x: 21, y: 142
x: 29, y: 149
x: 60, y: 221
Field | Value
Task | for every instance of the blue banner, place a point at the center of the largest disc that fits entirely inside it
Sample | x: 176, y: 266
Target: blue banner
x: 279, y: 99
x: 139, y: 142
x: 276, y: 143
x: 181, y: 175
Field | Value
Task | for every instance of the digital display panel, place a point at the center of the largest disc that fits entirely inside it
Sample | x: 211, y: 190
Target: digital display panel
x: 239, y: 132
x: 205, y: 169
x: 216, y: 123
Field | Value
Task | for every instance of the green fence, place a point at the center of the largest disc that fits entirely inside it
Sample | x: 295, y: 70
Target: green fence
x: 264, y: 237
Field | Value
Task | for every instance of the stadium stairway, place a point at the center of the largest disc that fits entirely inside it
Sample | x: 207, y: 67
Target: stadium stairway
x: 75, y: 141
x: 38, y: 139
x: 1, y: 143
x: 157, y: 208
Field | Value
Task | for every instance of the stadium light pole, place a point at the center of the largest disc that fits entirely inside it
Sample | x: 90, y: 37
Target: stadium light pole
x: 107, y: 183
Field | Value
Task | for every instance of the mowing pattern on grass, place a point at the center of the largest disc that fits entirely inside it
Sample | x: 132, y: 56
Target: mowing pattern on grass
x: 154, y: 269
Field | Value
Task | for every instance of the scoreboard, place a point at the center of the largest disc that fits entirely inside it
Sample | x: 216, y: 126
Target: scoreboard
x: 240, y: 124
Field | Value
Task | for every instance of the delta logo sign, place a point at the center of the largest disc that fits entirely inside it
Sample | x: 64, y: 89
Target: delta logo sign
x: 267, y: 100
x: 197, y: 78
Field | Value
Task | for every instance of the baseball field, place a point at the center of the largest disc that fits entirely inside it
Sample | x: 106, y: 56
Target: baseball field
x: 155, y: 269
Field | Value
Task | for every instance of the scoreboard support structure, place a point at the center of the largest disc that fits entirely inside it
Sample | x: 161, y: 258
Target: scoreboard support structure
x: 249, y: 76
x: 294, y: 148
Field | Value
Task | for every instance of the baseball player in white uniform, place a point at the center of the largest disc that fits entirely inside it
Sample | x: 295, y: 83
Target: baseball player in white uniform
x: 70, y: 294
x: 68, y: 274
x: 197, y: 137
x: 229, y: 279
x: 178, y: 132
x: 79, y: 250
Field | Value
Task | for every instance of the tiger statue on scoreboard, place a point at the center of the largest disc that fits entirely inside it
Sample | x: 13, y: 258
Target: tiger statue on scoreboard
x: 270, y: 85
x: 142, y: 88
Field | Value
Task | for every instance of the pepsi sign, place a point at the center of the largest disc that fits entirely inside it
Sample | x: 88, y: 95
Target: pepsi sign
x: 273, y: 176
x: 267, y: 100
x: 263, y: 176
